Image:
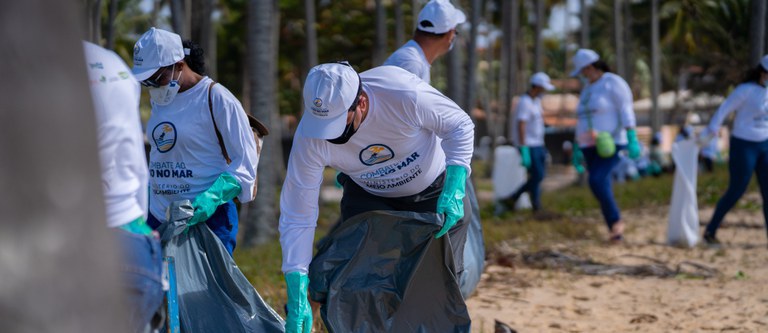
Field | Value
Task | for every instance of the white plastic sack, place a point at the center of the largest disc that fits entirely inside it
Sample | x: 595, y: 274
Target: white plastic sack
x: 509, y: 175
x: 684, y: 211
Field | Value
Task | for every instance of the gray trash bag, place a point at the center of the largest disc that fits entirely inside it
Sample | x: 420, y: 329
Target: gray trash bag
x: 213, y: 294
x: 383, y: 271
x: 474, y: 247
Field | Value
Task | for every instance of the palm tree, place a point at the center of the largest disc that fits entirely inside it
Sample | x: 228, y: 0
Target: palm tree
x: 471, y: 82
x: 756, y: 31
x: 618, y: 34
x: 380, y: 48
x: 111, y: 24
x: 180, y: 17
x: 263, y: 21
x: 584, y: 38
x: 537, y: 38
x: 399, y: 23
x: 310, y: 17
x: 201, y: 31
x: 93, y: 15
x: 656, y: 72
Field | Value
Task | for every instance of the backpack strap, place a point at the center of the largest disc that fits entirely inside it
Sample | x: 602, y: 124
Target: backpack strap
x: 218, y: 134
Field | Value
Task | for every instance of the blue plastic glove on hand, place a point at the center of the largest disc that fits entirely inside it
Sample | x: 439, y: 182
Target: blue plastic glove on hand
x: 450, y: 202
x: 224, y: 189
x: 633, y: 146
x: 577, y: 159
x: 525, y: 154
x: 299, y: 316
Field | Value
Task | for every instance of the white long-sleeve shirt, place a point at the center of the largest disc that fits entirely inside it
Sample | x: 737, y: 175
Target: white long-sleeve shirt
x: 528, y: 110
x: 607, y: 103
x: 750, y: 102
x: 395, y: 152
x: 115, y: 95
x: 411, y: 57
x: 185, y: 157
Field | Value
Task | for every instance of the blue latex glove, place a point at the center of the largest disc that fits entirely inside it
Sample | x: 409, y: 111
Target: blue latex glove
x: 633, y: 146
x: 450, y: 202
x: 224, y: 189
x: 299, y: 316
x: 525, y: 154
x: 577, y: 159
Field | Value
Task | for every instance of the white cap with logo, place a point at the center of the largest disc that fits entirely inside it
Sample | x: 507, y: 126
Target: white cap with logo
x: 583, y: 58
x: 155, y: 49
x: 439, y: 17
x: 329, y: 91
x: 541, y: 79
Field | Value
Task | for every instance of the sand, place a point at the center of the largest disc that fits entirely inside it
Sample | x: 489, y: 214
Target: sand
x: 545, y: 300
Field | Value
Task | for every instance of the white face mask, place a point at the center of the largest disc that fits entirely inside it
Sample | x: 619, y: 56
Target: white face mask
x: 164, y: 95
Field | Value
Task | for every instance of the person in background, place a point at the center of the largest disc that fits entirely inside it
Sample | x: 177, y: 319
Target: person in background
x: 528, y: 135
x: 202, y: 147
x: 434, y: 36
x: 748, y: 143
x: 115, y: 94
x: 605, y: 125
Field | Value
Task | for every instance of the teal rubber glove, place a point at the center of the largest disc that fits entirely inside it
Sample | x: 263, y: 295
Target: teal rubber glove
x: 577, y: 158
x: 224, y: 189
x: 525, y: 154
x: 633, y: 146
x: 299, y: 316
x: 450, y: 203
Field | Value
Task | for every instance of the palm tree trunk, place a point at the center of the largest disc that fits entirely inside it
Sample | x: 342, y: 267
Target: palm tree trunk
x: 655, y: 70
x: 618, y: 37
x: 93, y: 10
x: 260, y: 222
x: 179, y: 18
x: 60, y: 264
x: 471, y: 81
x: 380, y: 48
x: 415, y: 8
x: 756, y: 31
x: 629, y: 62
x: 310, y: 16
x: 399, y: 23
x: 538, y: 40
x: 111, y: 24
x: 584, y: 41
x: 201, y: 29
x: 508, y: 80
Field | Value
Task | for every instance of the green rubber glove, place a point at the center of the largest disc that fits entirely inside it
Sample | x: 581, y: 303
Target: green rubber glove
x: 450, y: 202
x: 224, y: 189
x: 633, y: 146
x: 299, y: 316
x: 525, y: 154
x: 577, y: 158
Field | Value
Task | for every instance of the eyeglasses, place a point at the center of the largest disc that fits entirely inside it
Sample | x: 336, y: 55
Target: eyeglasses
x: 154, y: 83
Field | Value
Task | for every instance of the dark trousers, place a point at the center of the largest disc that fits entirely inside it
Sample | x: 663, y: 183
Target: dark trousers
x: 536, y: 173
x: 357, y: 200
x: 745, y: 158
x: 141, y: 268
x: 601, y: 184
x: 223, y: 223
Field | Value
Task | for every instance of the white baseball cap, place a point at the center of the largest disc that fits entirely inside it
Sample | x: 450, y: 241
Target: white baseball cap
x: 583, y: 58
x: 329, y: 91
x: 764, y: 62
x: 541, y: 79
x: 439, y: 17
x: 155, y: 49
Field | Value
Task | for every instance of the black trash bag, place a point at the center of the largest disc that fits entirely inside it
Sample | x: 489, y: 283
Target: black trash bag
x: 383, y: 271
x: 474, y: 247
x: 213, y: 294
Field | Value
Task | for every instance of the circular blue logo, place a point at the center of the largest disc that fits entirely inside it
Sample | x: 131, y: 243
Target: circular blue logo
x: 164, y: 136
x: 375, y: 154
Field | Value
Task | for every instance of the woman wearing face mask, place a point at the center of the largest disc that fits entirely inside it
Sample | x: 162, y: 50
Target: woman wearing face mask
x: 748, y: 143
x: 606, y: 124
x: 191, y: 116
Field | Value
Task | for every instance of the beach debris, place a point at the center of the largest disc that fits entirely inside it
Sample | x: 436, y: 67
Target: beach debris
x: 500, y: 327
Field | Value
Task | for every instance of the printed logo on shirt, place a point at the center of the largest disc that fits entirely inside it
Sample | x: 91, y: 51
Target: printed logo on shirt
x: 96, y: 65
x: 164, y: 135
x: 375, y: 154
x: 123, y: 75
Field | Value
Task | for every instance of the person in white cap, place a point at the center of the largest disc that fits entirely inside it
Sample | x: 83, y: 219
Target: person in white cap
x: 434, y: 36
x: 202, y: 147
x: 528, y: 135
x: 400, y: 144
x: 748, y: 143
x: 605, y: 125
x: 124, y: 174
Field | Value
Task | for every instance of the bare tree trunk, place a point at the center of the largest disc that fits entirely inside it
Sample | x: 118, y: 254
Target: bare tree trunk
x: 584, y: 41
x: 380, y: 48
x: 260, y: 225
x: 539, y: 42
x: 111, y: 24
x: 756, y: 31
x: 618, y: 37
x: 59, y: 266
x: 471, y: 81
x: 310, y: 17
x: 399, y: 23
x: 655, y: 67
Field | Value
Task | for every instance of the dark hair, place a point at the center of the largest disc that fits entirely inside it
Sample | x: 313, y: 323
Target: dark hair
x: 602, y: 65
x: 753, y: 74
x: 195, y: 59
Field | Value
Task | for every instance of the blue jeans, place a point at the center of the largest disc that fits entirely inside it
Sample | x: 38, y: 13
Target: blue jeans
x: 745, y: 157
x: 600, y: 183
x: 223, y: 223
x: 536, y: 173
x: 142, y: 266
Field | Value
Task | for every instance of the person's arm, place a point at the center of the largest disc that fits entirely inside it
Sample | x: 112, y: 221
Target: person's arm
x: 237, y: 136
x: 622, y: 97
x: 732, y: 103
